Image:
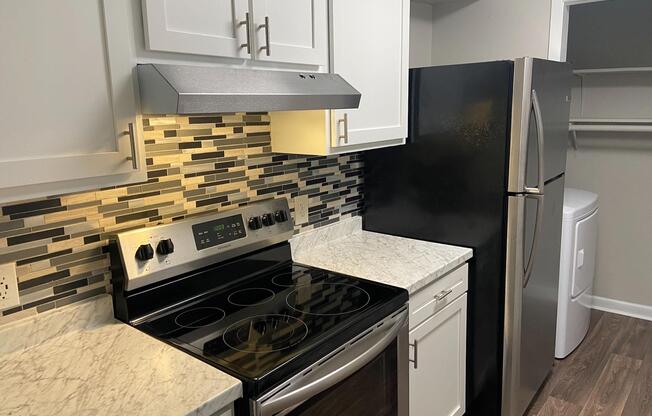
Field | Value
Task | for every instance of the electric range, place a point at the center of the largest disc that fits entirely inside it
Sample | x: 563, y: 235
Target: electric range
x: 224, y: 288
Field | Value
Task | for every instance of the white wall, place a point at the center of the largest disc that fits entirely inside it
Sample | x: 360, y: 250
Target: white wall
x: 618, y: 167
x: 485, y: 30
x: 420, y: 34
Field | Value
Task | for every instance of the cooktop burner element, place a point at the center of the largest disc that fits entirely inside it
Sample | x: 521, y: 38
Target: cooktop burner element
x: 326, y: 299
x: 291, y: 279
x: 299, y: 276
x: 265, y: 333
x: 199, y: 317
x: 251, y: 296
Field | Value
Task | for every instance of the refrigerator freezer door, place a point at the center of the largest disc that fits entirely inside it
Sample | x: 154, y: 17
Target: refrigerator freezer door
x: 531, y: 314
x: 550, y: 83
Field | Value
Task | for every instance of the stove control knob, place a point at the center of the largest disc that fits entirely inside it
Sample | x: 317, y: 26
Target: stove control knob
x: 281, y: 216
x: 268, y: 220
x: 254, y: 223
x: 145, y: 252
x: 165, y: 247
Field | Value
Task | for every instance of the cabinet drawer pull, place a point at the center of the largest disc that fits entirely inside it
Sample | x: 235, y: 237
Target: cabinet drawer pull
x: 132, y: 143
x: 442, y: 295
x: 266, y: 27
x: 345, y: 128
x: 247, y: 24
x: 415, y: 346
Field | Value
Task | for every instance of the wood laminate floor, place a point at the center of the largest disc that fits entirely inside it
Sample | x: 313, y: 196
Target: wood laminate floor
x: 609, y: 374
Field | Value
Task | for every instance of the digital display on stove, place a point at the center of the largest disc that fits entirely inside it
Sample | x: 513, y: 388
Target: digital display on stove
x: 212, y: 233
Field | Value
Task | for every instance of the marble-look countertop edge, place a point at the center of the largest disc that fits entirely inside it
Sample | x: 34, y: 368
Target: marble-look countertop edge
x: 426, y: 280
x: 80, y: 359
x: 219, y: 401
x: 333, y: 247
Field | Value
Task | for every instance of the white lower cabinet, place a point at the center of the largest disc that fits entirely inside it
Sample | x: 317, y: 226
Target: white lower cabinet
x: 438, y: 361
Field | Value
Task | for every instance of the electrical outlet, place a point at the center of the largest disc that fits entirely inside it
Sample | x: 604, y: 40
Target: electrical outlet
x: 8, y: 286
x: 301, y: 209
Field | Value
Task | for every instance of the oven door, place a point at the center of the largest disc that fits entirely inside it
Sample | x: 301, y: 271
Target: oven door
x: 366, y: 376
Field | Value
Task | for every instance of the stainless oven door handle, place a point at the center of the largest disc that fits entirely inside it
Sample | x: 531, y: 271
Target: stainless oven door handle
x: 338, y: 368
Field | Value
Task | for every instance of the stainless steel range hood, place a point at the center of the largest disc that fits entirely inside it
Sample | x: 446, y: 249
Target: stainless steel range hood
x: 184, y: 89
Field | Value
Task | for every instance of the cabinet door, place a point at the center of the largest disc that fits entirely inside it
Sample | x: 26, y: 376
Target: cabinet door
x: 203, y: 27
x: 438, y: 373
x: 72, y: 98
x: 369, y: 48
x: 293, y: 31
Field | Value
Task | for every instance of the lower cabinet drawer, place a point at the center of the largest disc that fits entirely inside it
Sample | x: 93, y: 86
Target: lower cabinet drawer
x: 437, y: 295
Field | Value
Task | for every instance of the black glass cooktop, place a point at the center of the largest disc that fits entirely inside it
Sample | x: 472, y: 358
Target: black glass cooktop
x: 276, y: 323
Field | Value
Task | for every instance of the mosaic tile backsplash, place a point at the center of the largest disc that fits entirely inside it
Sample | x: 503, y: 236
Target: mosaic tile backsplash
x: 194, y: 165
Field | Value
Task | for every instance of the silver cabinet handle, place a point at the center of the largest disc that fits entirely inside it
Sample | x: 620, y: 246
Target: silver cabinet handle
x: 540, y: 143
x: 415, y: 346
x: 247, y: 23
x: 132, y: 142
x: 442, y: 295
x: 266, y: 48
x: 345, y: 128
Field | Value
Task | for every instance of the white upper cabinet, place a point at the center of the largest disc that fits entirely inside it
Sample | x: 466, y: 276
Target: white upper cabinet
x: 292, y: 31
x: 288, y: 31
x: 70, y: 104
x: 369, y: 49
x: 203, y: 27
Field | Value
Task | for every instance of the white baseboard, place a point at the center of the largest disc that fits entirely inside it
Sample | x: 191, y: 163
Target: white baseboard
x: 622, y: 308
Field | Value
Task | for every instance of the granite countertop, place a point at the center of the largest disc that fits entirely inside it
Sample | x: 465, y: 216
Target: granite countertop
x: 78, y: 360
x: 345, y: 248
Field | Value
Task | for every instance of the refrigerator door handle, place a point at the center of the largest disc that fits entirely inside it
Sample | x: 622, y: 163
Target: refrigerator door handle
x: 540, y: 145
x: 535, y: 238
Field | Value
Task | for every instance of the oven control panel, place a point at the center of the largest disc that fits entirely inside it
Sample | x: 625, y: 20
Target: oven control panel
x: 152, y: 254
x: 220, y: 231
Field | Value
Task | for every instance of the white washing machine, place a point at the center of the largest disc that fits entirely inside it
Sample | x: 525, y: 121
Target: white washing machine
x: 579, y: 239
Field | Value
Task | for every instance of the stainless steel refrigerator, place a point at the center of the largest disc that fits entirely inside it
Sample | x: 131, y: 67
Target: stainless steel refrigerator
x: 483, y: 167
